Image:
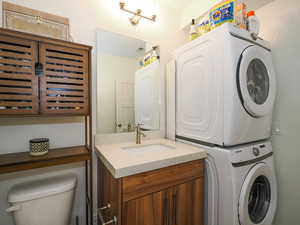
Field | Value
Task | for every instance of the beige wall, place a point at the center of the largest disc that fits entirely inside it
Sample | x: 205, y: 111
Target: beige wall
x: 280, y: 25
x: 85, y: 17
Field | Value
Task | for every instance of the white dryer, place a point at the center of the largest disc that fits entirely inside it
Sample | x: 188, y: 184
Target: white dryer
x: 225, y: 88
x: 240, y: 185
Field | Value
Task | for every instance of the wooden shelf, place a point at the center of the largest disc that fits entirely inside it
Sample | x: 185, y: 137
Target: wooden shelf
x: 13, y: 162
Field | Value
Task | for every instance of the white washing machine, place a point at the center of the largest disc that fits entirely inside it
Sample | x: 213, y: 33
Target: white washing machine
x: 241, y: 187
x: 225, y: 88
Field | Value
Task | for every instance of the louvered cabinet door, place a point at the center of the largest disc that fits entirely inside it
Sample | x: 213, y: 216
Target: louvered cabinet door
x: 64, y: 84
x: 18, y: 83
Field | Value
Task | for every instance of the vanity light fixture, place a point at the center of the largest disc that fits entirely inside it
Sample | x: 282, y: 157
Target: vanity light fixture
x: 137, y: 15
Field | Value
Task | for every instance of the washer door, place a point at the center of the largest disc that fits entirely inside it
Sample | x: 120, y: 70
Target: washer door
x: 258, y: 198
x: 256, y: 81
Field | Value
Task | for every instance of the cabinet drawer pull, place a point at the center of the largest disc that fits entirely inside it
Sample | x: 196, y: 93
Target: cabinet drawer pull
x: 113, y: 221
x: 107, y: 206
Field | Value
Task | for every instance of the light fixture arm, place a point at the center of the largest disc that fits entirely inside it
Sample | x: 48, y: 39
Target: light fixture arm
x: 137, y: 13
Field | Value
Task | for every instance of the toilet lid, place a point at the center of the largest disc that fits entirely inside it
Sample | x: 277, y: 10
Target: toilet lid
x: 41, y: 188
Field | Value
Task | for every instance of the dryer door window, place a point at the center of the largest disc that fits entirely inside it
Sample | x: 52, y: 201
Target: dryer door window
x: 256, y: 81
x: 258, y: 197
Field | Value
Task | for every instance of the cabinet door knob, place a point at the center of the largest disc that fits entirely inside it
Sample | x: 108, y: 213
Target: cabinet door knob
x: 107, y: 206
x: 112, y: 221
x: 39, y: 70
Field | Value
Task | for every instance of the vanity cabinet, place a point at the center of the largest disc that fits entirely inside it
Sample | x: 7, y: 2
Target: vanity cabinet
x: 43, y: 76
x: 169, y: 196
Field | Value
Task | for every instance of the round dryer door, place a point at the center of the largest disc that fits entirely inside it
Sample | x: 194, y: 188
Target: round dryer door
x: 258, y: 197
x: 256, y: 81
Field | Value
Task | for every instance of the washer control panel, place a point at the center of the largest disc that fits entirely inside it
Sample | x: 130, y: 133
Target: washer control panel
x: 250, y: 152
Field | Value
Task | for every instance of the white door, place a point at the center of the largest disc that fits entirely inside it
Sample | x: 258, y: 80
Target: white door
x: 124, y: 106
x: 146, y: 92
x: 198, y: 91
x: 258, y: 197
x: 257, y: 84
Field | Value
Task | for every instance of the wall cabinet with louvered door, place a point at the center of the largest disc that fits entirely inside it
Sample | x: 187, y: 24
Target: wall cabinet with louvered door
x: 18, y: 83
x: 43, y: 76
x: 64, y: 84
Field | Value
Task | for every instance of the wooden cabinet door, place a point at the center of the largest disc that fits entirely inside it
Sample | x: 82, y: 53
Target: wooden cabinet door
x: 187, y: 203
x: 18, y: 83
x: 150, y: 209
x: 64, y: 85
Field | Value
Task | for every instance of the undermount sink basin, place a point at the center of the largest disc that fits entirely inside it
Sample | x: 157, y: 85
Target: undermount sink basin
x: 151, y: 148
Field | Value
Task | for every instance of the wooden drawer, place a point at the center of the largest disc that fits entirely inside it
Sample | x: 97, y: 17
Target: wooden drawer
x: 149, y: 182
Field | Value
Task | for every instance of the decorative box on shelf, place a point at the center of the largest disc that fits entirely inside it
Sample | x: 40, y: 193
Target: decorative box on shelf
x: 33, y: 21
x: 39, y: 146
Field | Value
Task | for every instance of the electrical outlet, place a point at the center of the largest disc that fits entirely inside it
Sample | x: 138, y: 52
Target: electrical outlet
x: 276, y: 130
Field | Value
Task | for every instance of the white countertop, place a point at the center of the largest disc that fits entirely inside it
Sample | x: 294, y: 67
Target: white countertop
x: 122, y: 162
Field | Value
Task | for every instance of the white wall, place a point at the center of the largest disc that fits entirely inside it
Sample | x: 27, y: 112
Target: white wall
x: 112, y: 68
x: 85, y: 17
x: 280, y: 25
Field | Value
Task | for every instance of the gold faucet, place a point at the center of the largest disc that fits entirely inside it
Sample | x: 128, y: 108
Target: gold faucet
x: 139, y: 133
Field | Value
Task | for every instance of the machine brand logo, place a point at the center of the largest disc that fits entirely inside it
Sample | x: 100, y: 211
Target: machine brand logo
x: 256, y: 151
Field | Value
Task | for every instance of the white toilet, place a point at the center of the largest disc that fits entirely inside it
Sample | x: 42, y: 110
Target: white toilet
x: 43, y: 202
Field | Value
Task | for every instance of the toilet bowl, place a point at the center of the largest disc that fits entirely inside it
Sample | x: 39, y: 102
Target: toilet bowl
x: 47, y: 202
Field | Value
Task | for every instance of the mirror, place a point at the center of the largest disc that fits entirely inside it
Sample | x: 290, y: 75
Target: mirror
x: 128, y: 84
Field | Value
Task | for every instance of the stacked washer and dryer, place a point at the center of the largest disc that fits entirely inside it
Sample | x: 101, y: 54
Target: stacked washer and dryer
x: 225, y: 92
